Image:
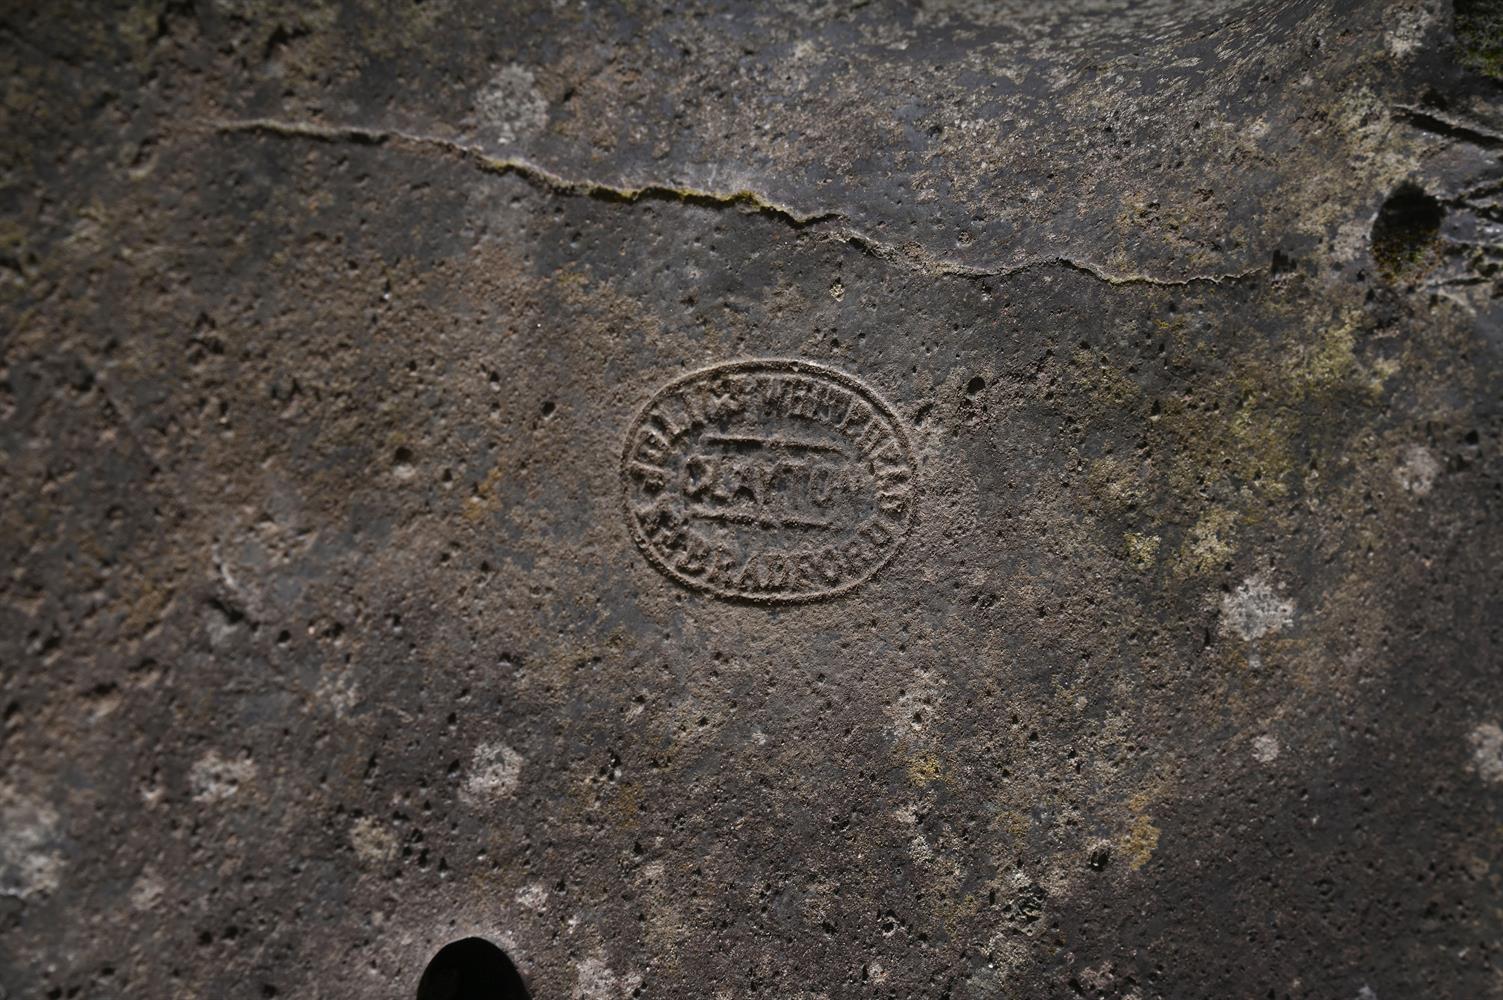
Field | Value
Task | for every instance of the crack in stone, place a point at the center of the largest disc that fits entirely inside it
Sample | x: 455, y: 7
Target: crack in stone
x: 833, y: 224
x: 1449, y: 126
x: 520, y: 167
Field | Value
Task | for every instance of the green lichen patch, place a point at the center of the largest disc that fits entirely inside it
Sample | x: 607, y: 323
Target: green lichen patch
x: 1142, y: 549
x: 1479, y: 35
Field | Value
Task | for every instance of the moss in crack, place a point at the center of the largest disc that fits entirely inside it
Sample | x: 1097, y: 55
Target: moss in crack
x: 1406, y: 233
x: 1479, y: 36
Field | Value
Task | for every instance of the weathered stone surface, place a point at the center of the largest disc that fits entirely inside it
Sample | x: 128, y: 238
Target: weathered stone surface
x: 326, y: 638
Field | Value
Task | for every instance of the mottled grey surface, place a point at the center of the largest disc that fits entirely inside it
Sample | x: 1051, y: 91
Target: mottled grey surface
x: 324, y: 640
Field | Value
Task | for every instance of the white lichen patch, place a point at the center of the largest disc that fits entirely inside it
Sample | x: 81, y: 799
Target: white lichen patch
x: 494, y: 772
x: 147, y: 891
x: 914, y: 706
x: 595, y: 980
x: 31, y: 860
x: 1255, y: 609
x: 1417, y: 470
x: 533, y: 897
x: 1007, y: 951
x: 1099, y: 978
x: 918, y: 845
x: 214, y: 779
x: 511, y: 106
x: 339, y: 691
x: 1265, y: 749
x: 373, y: 843
x: 1407, y: 27
x: 1487, y: 752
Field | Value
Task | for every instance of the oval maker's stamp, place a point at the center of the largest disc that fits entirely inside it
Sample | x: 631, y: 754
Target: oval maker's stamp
x: 769, y: 480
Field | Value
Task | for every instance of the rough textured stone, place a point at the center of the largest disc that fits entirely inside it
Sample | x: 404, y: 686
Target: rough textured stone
x: 325, y: 640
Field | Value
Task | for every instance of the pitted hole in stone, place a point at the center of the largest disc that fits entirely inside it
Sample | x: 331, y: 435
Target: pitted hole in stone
x: 471, y: 969
x: 402, y: 464
x: 1406, y: 233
